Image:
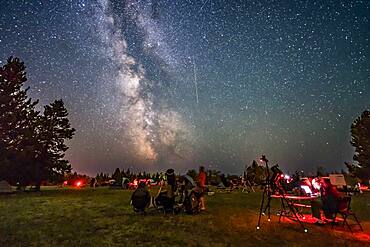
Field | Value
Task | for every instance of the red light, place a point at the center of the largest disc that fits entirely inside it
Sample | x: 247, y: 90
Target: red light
x: 282, y: 175
x: 79, y: 183
x: 65, y: 182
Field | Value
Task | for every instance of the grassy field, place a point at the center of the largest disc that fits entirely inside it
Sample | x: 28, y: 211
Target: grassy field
x: 103, y: 217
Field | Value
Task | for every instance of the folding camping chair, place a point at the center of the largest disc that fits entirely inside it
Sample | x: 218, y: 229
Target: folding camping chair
x: 247, y: 185
x: 344, y: 209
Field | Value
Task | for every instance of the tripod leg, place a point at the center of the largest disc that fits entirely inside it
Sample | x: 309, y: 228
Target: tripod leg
x: 282, y: 209
x: 267, y: 205
x: 250, y: 186
x: 268, y: 202
x: 269, y: 209
x: 358, y: 222
x: 261, y: 207
x: 294, y: 211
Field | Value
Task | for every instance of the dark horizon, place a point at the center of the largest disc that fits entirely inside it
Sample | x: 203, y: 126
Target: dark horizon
x: 159, y: 84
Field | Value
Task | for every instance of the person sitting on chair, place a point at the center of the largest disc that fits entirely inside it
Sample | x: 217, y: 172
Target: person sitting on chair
x: 140, y: 199
x: 330, y: 199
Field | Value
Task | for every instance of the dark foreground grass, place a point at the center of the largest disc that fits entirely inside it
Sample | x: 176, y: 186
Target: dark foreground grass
x: 103, y: 217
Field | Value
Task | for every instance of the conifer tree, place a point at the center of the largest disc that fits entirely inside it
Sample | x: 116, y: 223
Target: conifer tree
x: 117, y: 176
x: 360, y: 133
x: 54, y: 129
x: 32, y: 146
x: 17, y: 122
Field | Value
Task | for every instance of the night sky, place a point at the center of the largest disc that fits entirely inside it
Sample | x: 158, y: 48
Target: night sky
x: 165, y: 83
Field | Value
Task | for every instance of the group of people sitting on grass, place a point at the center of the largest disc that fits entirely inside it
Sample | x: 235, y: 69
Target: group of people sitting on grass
x: 173, y: 195
x: 329, y: 201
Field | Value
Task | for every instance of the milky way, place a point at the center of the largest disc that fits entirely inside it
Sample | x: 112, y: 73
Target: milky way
x: 274, y: 78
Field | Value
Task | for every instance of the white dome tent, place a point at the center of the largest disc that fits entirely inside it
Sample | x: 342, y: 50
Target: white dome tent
x: 5, y: 187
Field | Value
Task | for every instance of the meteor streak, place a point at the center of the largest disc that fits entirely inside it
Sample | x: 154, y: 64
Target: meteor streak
x: 195, y: 81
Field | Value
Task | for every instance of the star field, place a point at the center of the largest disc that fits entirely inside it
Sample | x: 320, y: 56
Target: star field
x: 285, y: 79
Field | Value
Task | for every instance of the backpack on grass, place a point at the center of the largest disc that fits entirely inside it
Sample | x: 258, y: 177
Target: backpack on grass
x: 191, y: 203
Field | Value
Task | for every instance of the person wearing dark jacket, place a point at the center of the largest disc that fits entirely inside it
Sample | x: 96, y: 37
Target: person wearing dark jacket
x: 171, y: 183
x: 140, y: 199
x: 330, y: 200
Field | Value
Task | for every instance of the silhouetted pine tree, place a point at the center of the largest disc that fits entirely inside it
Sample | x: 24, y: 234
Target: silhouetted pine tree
x: 32, y: 146
x: 117, y: 176
x: 53, y: 130
x: 17, y: 123
x: 128, y: 173
x: 360, y: 133
x: 123, y: 173
x: 255, y: 173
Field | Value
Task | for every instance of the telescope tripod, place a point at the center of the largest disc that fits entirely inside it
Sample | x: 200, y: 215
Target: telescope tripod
x: 287, y: 206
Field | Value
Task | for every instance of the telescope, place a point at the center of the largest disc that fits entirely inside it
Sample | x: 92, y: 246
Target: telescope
x: 263, y: 159
x: 274, y: 186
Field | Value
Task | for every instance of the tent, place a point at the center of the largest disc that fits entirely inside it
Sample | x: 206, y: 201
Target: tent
x: 5, y: 187
x: 189, y: 179
x: 221, y: 186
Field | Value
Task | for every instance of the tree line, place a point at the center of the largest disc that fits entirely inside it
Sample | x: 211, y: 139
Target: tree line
x: 118, y: 176
x: 360, y: 140
x: 32, y: 144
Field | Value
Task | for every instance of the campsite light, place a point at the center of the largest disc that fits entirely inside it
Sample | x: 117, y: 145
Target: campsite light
x: 257, y: 227
x: 78, y: 183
